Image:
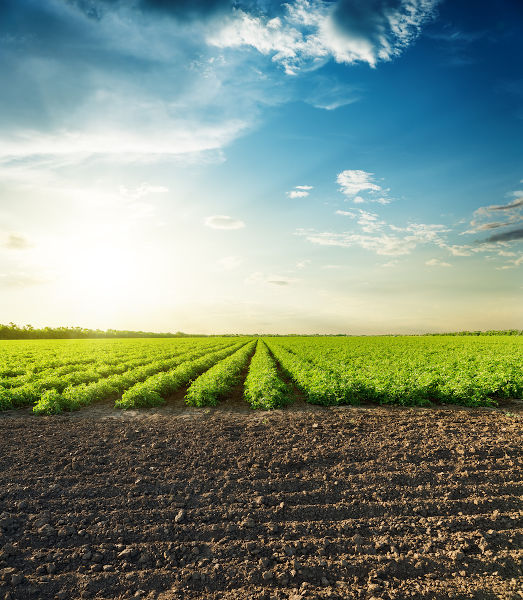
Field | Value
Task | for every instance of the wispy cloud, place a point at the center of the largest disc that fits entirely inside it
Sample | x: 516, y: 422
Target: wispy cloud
x: 303, y: 263
x: 329, y: 93
x: 378, y: 236
x: 17, y: 241
x: 300, y: 191
x: 513, y: 263
x: 368, y: 221
x: 455, y: 44
x: 390, y: 264
x: 497, y: 216
x: 436, y: 262
x: 144, y: 189
x: 223, y: 222
x: 258, y: 278
x: 383, y: 244
x: 20, y: 280
x: 127, y: 143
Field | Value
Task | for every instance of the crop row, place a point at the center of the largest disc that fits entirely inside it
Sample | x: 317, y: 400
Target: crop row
x: 19, y: 358
x: 79, y: 372
x: 153, y: 391
x: 219, y: 379
x: 74, y: 396
x: 317, y: 385
x: 263, y: 386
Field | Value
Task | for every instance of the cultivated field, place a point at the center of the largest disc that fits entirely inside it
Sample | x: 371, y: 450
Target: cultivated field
x: 201, y: 497
x: 53, y: 376
x: 342, y: 502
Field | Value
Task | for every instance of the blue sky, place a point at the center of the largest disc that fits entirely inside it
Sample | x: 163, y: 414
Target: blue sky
x: 258, y: 166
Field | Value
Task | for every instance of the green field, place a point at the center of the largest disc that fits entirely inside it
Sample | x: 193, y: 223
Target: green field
x: 57, y: 375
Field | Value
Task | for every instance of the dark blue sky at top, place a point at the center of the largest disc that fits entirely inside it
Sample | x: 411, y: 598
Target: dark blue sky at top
x: 448, y: 108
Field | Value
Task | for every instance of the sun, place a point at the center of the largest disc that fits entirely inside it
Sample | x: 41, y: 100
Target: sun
x: 98, y: 276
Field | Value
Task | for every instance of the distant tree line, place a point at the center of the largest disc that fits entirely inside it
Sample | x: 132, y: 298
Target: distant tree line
x: 489, y: 332
x: 28, y: 332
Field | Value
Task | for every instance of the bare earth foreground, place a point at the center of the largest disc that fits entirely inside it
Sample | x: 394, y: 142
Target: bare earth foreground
x: 306, y: 502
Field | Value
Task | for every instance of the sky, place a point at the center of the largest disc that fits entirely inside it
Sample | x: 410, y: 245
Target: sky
x: 310, y: 166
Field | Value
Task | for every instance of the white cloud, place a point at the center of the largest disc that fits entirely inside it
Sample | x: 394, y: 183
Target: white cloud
x: 128, y: 143
x: 383, y: 244
x: 352, y: 182
x: 390, y: 264
x: 223, y: 222
x: 424, y: 232
x: 457, y: 250
x: 229, y: 263
x: 310, y: 32
x: 376, y: 238
x: 300, y: 191
x: 369, y: 222
x: 436, y: 262
x: 376, y: 235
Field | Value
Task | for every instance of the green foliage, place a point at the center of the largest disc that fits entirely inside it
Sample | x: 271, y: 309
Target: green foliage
x: 50, y: 403
x: 62, y: 375
x: 83, y: 394
x: 106, y: 377
x: 406, y: 370
x: 263, y: 386
x: 220, y: 379
x: 153, y: 391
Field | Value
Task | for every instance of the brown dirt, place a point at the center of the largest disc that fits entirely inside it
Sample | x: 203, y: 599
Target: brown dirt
x: 305, y: 502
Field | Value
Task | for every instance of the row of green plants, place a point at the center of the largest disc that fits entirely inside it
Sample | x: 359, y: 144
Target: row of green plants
x: 73, y: 397
x: 219, y: 380
x: 154, y: 390
x: 414, y: 370
x: 33, y: 391
x: 318, y: 386
x: 408, y: 370
x: 81, y: 372
x: 263, y: 387
x: 25, y: 357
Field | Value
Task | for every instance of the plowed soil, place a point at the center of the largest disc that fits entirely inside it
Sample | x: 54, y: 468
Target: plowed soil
x: 305, y: 502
